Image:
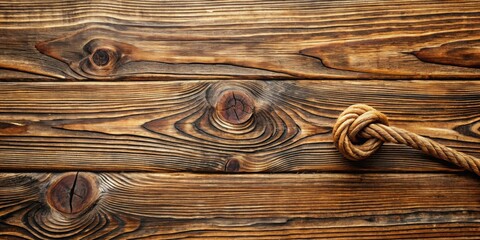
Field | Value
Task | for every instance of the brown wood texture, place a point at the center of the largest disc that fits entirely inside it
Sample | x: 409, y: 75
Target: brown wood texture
x: 153, y: 150
x: 249, y: 206
x: 217, y: 126
x: 300, y: 39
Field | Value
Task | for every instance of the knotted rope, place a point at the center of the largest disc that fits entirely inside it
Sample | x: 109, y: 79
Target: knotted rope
x: 361, y: 130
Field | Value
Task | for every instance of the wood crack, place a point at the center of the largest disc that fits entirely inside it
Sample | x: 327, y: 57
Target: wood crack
x: 72, y: 192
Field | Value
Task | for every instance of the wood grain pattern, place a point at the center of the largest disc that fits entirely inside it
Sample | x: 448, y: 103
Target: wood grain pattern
x: 238, y: 39
x: 270, y: 126
x: 464, y: 54
x: 112, y: 135
x: 251, y: 206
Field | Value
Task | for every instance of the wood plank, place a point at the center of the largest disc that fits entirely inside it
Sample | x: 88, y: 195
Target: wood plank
x: 105, y: 39
x: 253, y: 206
x: 275, y: 126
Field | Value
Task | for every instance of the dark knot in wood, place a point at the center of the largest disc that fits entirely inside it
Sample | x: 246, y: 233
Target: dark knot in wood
x: 234, y: 107
x: 101, y: 57
x: 104, y: 57
x: 232, y: 165
x: 72, y: 193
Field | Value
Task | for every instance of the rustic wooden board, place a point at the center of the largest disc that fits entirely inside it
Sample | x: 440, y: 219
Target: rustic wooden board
x: 104, y: 39
x: 254, y: 206
x: 125, y: 140
x: 285, y: 126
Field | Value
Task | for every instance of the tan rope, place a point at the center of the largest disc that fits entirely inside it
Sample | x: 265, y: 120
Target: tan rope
x: 361, y: 130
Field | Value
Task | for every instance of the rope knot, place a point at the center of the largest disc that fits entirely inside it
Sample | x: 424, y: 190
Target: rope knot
x: 349, y: 133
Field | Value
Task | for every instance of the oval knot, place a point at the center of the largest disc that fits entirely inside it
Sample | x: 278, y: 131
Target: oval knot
x: 349, y: 129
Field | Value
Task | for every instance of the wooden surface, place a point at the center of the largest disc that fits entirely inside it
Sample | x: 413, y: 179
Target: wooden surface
x: 253, y: 206
x: 213, y: 119
x: 239, y: 39
x: 175, y: 126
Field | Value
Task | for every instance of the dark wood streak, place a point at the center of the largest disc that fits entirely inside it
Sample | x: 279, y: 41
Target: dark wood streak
x: 237, y: 39
x: 13, y: 128
x: 260, y: 206
x: 398, y: 55
x: 463, y: 54
x: 174, y: 126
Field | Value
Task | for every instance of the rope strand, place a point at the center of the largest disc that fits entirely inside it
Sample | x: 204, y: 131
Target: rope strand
x: 361, y: 130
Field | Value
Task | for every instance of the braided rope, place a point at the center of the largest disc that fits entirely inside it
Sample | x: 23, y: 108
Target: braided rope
x: 361, y: 130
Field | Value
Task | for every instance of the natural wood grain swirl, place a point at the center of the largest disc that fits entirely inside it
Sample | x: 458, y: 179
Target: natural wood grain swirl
x: 237, y: 39
x: 273, y: 206
x: 176, y: 125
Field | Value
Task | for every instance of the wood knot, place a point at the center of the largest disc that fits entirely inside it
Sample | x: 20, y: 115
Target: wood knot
x: 104, y: 57
x: 72, y: 193
x: 232, y: 165
x: 234, y: 107
x: 101, y: 57
x: 98, y: 58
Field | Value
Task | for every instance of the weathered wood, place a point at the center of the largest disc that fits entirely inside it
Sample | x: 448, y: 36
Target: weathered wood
x: 268, y: 206
x: 104, y: 39
x: 206, y: 125
x: 216, y: 126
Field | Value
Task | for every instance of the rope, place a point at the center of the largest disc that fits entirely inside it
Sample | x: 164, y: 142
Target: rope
x: 361, y: 130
